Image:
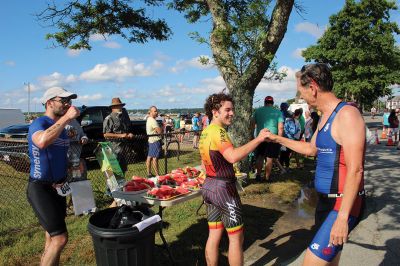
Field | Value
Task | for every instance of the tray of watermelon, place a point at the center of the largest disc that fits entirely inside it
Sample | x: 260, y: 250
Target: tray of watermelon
x: 189, y: 178
x: 165, y: 192
x: 138, y: 185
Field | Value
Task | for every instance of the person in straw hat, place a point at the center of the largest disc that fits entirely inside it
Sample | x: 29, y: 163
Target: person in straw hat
x: 117, y: 128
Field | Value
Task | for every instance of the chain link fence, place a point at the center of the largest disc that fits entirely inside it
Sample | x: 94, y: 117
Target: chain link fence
x: 16, y: 213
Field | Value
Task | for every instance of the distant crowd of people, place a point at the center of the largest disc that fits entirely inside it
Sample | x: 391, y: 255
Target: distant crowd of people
x: 292, y: 125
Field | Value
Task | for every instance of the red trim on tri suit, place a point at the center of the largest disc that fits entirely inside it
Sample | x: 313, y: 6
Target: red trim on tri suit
x: 355, y: 211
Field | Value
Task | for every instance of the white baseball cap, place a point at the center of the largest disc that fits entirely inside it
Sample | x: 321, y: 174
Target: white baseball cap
x: 57, y: 91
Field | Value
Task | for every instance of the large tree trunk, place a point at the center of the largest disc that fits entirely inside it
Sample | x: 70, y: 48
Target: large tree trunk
x: 240, y: 130
x: 242, y: 85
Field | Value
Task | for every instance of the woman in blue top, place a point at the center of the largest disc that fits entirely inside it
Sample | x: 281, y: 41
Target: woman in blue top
x: 290, y: 129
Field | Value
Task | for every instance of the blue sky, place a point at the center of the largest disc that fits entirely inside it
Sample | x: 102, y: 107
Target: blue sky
x: 166, y: 74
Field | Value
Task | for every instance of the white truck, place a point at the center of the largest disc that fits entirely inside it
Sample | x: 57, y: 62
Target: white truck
x: 295, y: 106
x: 10, y: 117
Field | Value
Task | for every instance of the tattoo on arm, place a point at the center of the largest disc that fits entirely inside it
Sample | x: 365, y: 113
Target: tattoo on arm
x: 52, y: 128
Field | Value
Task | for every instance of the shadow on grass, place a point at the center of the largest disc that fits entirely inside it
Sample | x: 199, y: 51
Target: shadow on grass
x: 188, y: 249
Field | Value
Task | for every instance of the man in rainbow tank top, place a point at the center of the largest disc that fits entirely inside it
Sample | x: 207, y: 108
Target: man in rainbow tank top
x: 339, y: 143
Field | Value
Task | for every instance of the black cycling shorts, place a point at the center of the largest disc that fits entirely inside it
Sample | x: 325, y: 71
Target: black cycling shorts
x: 49, y: 207
x: 268, y: 149
x: 224, y: 208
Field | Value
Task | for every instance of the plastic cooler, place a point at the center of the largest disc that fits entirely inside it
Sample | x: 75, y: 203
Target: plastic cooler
x: 120, y: 247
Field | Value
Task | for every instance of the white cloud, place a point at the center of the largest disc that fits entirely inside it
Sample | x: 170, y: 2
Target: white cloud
x: 157, y: 64
x: 32, y: 87
x: 36, y: 100
x: 193, y: 63
x: 281, y: 91
x: 98, y: 37
x: 310, y: 28
x: 108, y: 43
x: 161, y: 56
x: 297, y: 53
x: 128, y: 94
x: 118, y: 70
x: 112, y: 45
x: 74, y: 52
x: 10, y: 63
x: 166, y: 92
x: 90, y: 97
x: 56, y: 79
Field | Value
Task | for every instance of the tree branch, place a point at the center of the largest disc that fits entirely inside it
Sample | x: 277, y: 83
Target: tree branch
x: 219, y: 42
x: 269, y: 43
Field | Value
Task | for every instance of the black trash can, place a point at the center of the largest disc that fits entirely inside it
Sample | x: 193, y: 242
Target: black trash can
x: 123, y: 246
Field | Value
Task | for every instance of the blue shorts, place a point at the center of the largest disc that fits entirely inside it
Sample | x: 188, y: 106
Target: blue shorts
x: 155, y: 149
x: 320, y: 244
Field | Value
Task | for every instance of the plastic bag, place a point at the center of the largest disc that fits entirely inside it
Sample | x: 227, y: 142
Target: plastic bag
x: 125, y: 217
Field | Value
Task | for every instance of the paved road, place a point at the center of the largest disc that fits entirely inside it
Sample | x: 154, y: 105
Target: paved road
x: 376, y: 240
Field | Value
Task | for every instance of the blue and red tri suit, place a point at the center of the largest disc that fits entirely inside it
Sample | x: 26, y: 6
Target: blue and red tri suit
x: 330, y: 178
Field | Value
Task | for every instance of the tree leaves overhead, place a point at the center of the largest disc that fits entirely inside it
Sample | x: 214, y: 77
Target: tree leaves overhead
x: 248, y: 21
x: 360, y: 46
x: 78, y: 20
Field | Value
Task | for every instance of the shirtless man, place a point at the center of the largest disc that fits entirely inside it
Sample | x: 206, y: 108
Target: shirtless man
x: 339, y: 178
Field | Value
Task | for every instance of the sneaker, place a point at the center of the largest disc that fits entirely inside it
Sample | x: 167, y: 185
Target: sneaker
x: 258, y: 178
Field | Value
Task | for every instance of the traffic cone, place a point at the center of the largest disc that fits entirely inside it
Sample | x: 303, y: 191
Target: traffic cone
x: 390, y: 140
x: 383, y: 134
x: 376, y: 137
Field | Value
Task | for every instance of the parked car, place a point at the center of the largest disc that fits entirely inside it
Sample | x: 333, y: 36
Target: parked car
x: 19, y: 131
x: 91, y: 120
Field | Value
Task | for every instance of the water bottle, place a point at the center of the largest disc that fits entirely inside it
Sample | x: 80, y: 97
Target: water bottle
x: 76, y: 171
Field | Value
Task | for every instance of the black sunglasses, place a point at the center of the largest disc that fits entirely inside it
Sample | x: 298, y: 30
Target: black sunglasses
x: 63, y: 100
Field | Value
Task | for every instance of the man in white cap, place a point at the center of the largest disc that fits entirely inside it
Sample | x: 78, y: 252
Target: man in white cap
x: 48, y: 146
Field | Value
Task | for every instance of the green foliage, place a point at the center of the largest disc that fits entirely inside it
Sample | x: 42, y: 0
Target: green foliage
x: 78, y: 20
x: 246, y: 27
x: 360, y: 47
x: 290, y: 101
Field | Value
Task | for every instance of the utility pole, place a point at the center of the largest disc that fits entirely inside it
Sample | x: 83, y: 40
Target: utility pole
x: 29, y: 98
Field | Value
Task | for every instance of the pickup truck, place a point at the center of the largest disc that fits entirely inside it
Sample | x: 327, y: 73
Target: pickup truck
x: 13, y: 139
x: 91, y: 120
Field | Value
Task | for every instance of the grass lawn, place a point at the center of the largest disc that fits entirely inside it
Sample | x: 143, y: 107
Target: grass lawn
x: 21, y: 239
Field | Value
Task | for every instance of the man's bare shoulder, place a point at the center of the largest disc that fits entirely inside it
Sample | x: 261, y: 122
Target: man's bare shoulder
x: 349, y: 125
x: 349, y: 114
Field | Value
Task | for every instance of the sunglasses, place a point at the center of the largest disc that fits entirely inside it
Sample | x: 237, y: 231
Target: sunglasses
x: 63, y: 100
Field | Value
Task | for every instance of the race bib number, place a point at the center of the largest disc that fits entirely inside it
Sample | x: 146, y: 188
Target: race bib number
x: 64, y: 190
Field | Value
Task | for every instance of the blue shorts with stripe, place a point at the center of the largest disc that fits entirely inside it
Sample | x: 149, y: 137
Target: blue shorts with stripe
x: 320, y: 245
